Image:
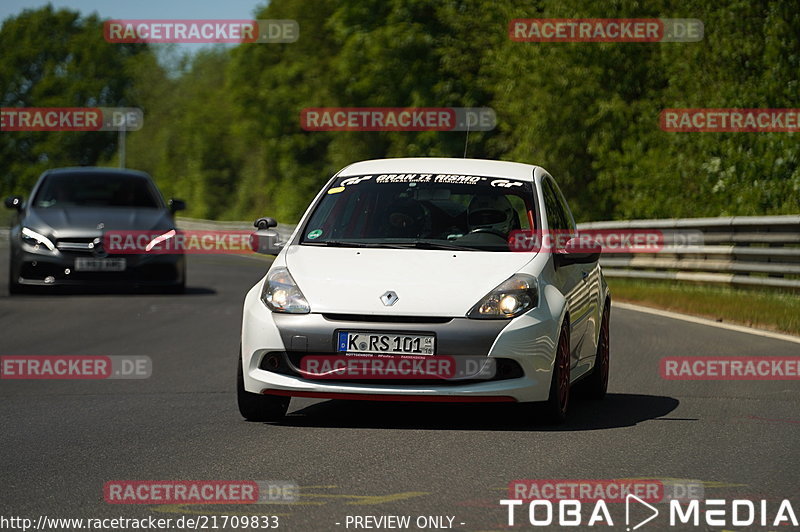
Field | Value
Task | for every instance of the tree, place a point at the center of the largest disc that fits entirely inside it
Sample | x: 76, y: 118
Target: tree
x: 57, y: 59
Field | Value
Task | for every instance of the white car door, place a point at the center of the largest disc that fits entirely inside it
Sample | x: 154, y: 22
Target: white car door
x: 578, y: 282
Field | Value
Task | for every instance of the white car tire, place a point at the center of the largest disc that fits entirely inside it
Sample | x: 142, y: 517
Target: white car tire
x: 257, y: 407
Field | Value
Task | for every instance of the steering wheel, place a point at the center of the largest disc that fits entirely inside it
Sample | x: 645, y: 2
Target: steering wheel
x: 488, y: 230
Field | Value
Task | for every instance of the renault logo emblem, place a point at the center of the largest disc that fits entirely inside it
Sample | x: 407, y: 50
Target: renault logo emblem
x: 389, y: 298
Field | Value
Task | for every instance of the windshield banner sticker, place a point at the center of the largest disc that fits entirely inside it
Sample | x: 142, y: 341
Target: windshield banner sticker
x: 428, y: 178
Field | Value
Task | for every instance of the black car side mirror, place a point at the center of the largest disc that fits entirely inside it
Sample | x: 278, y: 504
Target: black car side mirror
x: 14, y: 202
x: 176, y: 205
x: 576, y: 252
x: 265, y: 223
x: 265, y: 240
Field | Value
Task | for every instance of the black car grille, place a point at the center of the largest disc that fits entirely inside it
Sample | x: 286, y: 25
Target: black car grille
x: 285, y: 363
x: 143, y: 273
x: 78, y: 244
x: 385, y: 319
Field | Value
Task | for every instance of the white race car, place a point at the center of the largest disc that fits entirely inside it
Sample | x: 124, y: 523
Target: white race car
x: 427, y: 279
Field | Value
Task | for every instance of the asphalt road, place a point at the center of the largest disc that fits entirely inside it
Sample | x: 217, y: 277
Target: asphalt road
x: 62, y: 440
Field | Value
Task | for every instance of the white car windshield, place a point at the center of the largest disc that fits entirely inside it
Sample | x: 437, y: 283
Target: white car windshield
x: 438, y: 211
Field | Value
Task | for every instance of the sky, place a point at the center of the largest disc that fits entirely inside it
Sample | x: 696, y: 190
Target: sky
x: 145, y: 9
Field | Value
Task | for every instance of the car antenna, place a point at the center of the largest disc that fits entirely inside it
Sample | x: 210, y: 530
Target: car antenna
x: 466, y: 140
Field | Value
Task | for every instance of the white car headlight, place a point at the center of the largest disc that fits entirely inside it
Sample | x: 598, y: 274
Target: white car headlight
x: 32, y: 238
x: 281, y: 293
x: 517, y: 294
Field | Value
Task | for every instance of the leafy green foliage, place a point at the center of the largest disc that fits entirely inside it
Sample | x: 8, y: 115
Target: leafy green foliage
x: 54, y: 58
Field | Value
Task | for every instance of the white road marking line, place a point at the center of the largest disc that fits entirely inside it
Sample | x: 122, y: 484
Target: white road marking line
x: 707, y: 322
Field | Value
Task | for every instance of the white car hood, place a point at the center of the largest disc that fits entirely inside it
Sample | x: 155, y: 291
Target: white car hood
x: 427, y: 282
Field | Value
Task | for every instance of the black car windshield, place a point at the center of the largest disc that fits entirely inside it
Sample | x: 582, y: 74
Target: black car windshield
x: 96, y: 190
x: 430, y: 211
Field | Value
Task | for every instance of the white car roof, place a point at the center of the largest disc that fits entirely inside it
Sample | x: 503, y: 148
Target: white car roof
x: 443, y: 165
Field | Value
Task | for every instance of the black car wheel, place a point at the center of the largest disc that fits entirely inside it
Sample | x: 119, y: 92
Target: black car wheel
x: 13, y: 286
x: 597, y: 383
x: 558, y: 402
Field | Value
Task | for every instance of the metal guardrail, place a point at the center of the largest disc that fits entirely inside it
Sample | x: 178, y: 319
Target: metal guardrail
x: 285, y: 230
x: 739, y: 250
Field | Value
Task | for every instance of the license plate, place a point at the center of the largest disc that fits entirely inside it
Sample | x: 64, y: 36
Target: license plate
x: 83, y: 264
x: 395, y: 344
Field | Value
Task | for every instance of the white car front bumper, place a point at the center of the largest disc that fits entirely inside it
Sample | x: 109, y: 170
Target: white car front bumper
x: 529, y: 340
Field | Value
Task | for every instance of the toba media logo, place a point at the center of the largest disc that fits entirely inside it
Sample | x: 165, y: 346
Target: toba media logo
x: 573, y: 503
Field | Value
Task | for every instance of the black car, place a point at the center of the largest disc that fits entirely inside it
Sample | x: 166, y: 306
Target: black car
x: 58, y: 236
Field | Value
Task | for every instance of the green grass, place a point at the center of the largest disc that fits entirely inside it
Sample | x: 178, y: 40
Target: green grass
x: 6, y: 218
x: 776, y: 310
